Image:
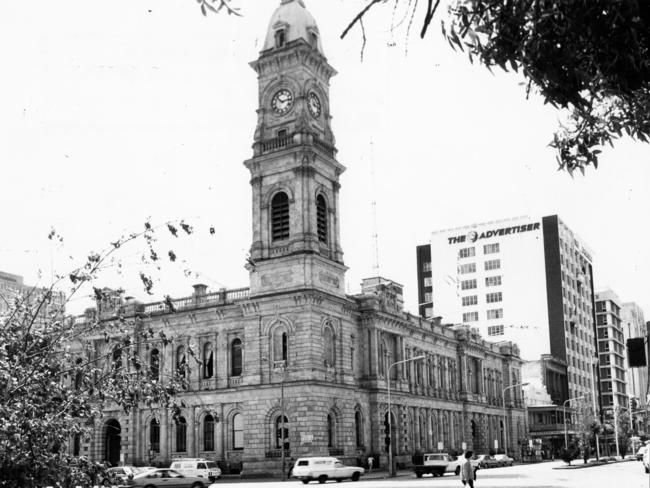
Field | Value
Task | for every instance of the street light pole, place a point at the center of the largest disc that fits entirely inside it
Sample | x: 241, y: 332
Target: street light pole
x: 566, y: 434
x: 282, y: 419
x: 391, y: 472
x: 505, y: 413
x: 594, y: 391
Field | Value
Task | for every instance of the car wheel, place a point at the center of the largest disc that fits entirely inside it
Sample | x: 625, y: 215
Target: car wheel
x: 647, y: 470
x: 322, y: 478
x: 150, y: 486
x: 304, y: 482
x: 355, y: 476
x: 457, y: 470
x: 198, y: 484
x: 418, y: 475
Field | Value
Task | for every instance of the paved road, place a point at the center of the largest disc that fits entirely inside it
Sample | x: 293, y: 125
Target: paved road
x: 620, y: 475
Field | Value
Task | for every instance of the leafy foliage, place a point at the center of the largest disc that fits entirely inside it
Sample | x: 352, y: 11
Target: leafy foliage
x: 590, y: 57
x: 58, y: 374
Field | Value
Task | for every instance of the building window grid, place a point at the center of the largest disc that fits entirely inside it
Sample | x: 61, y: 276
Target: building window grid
x: 494, y: 297
x: 495, y: 330
x: 468, y: 284
x: 466, y: 252
x: 469, y: 300
x: 493, y: 280
x: 491, y: 248
x: 492, y: 264
x: 467, y: 268
x: 496, y: 313
x: 470, y: 317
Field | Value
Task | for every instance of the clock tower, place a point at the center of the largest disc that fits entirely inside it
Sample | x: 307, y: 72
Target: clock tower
x: 294, y: 171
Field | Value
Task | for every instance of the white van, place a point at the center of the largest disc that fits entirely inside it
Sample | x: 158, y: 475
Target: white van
x: 197, y: 467
x: 322, y: 469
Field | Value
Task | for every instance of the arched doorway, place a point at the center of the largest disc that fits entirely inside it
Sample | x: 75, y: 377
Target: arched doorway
x: 112, y: 438
x: 474, y: 428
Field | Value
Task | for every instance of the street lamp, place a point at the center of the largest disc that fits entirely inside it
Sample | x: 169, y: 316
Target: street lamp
x: 281, y: 366
x: 566, y: 435
x: 390, y: 426
x: 505, y: 413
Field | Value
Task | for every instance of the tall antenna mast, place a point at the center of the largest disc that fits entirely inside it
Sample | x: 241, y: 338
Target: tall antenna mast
x: 373, y: 206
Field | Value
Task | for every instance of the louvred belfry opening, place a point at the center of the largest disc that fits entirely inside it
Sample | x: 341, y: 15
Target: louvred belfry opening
x: 280, y: 217
x: 321, y: 218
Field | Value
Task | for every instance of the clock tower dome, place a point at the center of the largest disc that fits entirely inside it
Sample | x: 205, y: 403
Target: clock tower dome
x: 294, y: 171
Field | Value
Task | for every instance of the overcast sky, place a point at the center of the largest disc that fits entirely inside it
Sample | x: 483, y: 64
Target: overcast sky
x: 114, y: 111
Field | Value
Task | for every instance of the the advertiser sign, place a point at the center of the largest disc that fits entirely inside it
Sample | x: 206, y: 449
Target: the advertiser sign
x: 474, y: 236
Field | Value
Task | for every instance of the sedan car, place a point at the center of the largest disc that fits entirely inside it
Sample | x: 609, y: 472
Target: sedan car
x: 164, y: 478
x: 503, y: 460
x: 485, y: 461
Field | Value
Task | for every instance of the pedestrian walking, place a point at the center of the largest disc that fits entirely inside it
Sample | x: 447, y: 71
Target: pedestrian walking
x: 467, y: 474
x: 371, y: 461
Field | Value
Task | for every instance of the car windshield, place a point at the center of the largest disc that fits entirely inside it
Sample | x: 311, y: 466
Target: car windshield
x: 211, y: 464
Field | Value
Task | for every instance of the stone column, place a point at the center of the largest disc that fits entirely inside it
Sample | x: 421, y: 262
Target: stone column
x: 220, y: 447
x: 191, y: 433
x: 165, y: 447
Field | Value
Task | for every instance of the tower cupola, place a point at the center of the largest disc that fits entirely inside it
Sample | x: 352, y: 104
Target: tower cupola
x: 292, y: 21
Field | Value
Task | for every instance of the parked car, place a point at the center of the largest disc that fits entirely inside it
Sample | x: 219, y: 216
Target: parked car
x: 118, y: 475
x: 164, y: 478
x: 322, y: 469
x: 434, y: 463
x: 641, y: 452
x: 646, y: 460
x: 198, y: 467
x: 485, y: 461
x: 503, y: 460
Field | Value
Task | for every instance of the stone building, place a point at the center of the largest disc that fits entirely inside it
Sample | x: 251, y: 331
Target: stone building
x: 292, y: 364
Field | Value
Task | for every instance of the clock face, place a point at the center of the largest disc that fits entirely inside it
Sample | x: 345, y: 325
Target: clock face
x: 314, y: 104
x: 282, y: 101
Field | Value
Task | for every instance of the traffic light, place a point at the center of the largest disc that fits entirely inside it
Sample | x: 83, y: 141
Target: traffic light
x: 636, y: 352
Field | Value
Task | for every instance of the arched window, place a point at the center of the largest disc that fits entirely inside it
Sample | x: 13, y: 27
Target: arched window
x: 501, y: 435
x: 235, y: 358
x: 328, y: 347
x: 181, y: 435
x: 154, y: 435
x: 281, y: 436
x: 181, y: 361
x: 79, y: 375
x: 208, y: 360
x: 76, y: 445
x: 382, y: 358
x: 358, y: 428
x: 418, y: 372
x: 237, y: 432
x: 321, y: 218
x: 154, y: 364
x: 280, y: 217
x: 280, y: 344
x: 279, y: 38
x: 331, y: 438
x: 423, y: 433
x: 208, y: 433
x: 117, y: 358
